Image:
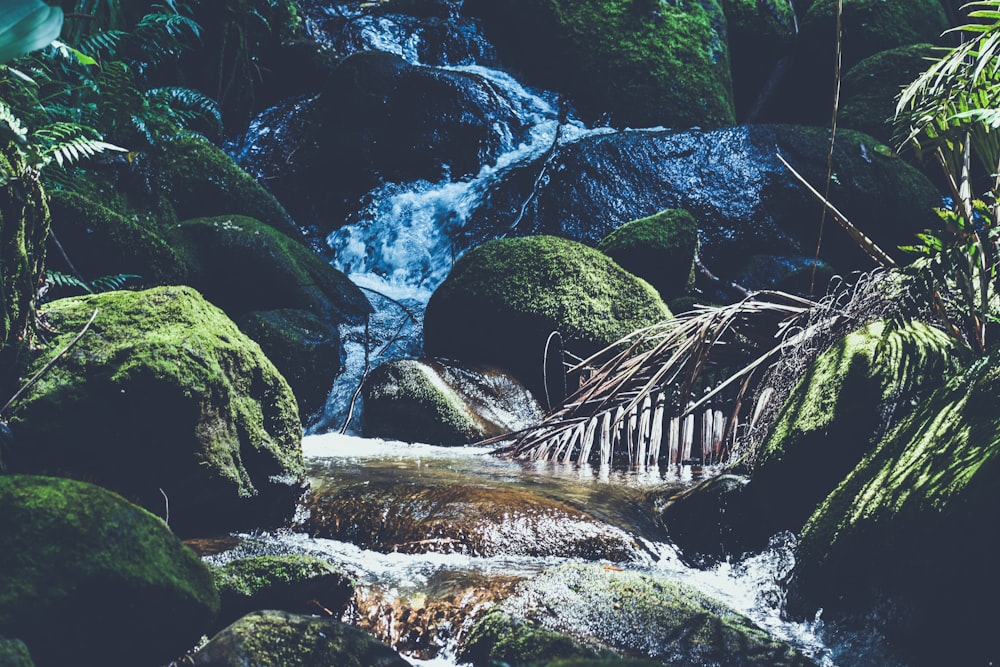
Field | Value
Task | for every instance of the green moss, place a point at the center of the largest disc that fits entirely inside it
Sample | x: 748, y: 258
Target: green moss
x: 659, y: 249
x: 644, y: 62
x: 502, y: 300
x: 102, y: 242
x: 840, y: 408
x: 501, y: 638
x: 278, y: 638
x: 926, y: 496
x: 640, y: 615
x: 200, y: 179
x: 172, y: 396
x: 871, y: 87
x: 73, y: 549
x: 13, y: 653
x: 242, y: 265
x: 603, y: 662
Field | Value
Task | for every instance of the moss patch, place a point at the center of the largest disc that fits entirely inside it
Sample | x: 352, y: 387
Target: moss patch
x: 14, y: 653
x: 164, y: 392
x: 502, y: 300
x: 659, y: 249
x: 73, y: 550
x: 501, y: 638
x: 293, y: 583
x: 242, y: 265
x: 642, y: 61
x: 926, y: 496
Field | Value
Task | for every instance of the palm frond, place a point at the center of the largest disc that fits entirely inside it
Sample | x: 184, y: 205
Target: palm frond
x: 635, y: 386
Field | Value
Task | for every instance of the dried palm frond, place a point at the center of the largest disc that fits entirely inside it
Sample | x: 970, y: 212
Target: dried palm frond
x: 649, y: 379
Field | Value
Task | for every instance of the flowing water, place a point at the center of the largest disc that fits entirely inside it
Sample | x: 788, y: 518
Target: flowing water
x: 399, y: 245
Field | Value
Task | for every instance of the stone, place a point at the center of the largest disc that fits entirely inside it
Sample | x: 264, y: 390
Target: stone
x: 84, y: 573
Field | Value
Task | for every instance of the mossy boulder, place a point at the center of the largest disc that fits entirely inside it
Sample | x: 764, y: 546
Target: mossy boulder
x: 631, y: 613
x: 500, y: 638
x: 503, y: 299
x: 870, y: 88
x: 304, y: 348
x: 24, y: 227
x: 14, y: 653
x: 103, y: 242
x: 294, y: 583
x: 761, y: 33
x: 164, y: 396
x: 642, y: 62
x: 200, y: 180
x: 241, y: 264
x: 916, y: 523
x: 443, y: 404
x: 112, y: 576
x: 290, y: 640
x: 414, y: 517
x: 659, y: 249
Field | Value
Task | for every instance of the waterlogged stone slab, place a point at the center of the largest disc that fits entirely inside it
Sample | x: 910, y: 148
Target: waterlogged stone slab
x: 463, y: 518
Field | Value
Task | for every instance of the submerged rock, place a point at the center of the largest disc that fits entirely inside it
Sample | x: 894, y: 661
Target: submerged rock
x: 290, y: 640
x: 164, y: 396
x: 298, y: 584
x: 587, y: 609
x: 83, y: 573
x: 461, y: 518
x: 640, y: 62
x: 444, y: 404
x: 659, y: 249
x: 913, y: 531
x: 744, y: 200
x: 502, y: 300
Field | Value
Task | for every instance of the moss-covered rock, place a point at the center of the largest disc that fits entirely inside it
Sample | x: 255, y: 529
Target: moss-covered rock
x: 499, y: 638
x: 14, y: 653
x: 503, y: 299
x: 280, y: 638
x: 603, y: 662
x: 761, y: 33
x: 242, y: 265
x: 414, y: 517
x: 113, y: 577
x: 917, y: 522
x: 643, y: 62
x: 442, y: 404
x: 102, y: 242
x: 659, y: 249
x: 304, y: 348
x: 200, y: 180
x: 633, y: 614
x: 870, y: 88
x: 298, y: 584
x: 164, y: 396
x: 24, y: 226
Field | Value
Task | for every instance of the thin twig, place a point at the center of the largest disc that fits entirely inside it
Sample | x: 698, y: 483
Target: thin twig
x: 37, y: 376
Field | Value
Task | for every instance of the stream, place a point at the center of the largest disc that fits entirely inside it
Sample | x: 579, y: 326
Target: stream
x: 400, y: 243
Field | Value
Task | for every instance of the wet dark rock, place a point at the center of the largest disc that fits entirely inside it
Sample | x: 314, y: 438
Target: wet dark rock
x: 304, y: 348
x: 788, y: 274
x: 502, y: 301
x: 659, y: 249
x: 912, y: 530
x: 412, y: 518
x: 640, y: 63
x: 242, y: 265
x: 165, y: 396
x: 444, y: 404
x: 761, y: 35
x: 290, y: 640
x: 83, y: 573
x: 592, y: 608
x: 744, y: 200
x: 380, y: 118
x: 298, y: 584
x: 705, y: 521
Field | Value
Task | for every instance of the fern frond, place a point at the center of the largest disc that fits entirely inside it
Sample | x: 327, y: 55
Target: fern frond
x: 12, y: 124
x: 104, y: 42
x: 67, y: 143
x: 113, y: 282
x: 185, y: 105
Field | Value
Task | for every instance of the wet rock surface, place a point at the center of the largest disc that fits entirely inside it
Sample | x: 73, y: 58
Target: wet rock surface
x: 462, y: 518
